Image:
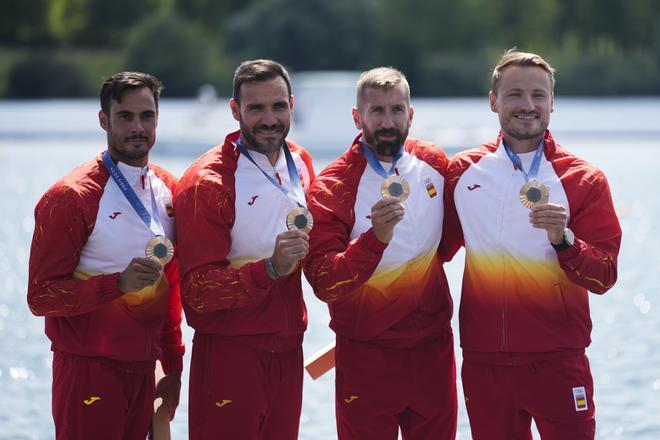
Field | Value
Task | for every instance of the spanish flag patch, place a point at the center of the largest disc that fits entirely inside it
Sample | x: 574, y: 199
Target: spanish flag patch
x: 430, y: 189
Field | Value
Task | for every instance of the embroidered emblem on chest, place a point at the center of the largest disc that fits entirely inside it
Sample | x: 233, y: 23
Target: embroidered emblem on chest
x: 430, y: 188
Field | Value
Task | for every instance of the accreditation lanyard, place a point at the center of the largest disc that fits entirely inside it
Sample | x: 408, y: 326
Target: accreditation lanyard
x: 298, y: 195
x: 375, y: 164
x: 153, y: 223
x: 517, y: 163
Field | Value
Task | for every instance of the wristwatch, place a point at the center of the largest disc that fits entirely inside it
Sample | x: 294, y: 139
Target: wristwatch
x: 569, y: 239
x: 270, y: 269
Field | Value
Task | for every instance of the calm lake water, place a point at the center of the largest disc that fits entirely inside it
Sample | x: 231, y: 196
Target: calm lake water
x: 41, y: 141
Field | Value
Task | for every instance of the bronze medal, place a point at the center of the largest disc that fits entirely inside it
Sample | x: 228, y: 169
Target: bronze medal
x: 300, y: 218
x: 534, y: 193
x: 160, y: 249
x: 395, y: 186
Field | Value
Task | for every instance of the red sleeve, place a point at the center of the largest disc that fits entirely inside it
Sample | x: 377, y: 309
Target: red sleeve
x: 60, y: 233
x: 336, y: 266
x: 452, y: 232
x: 171, y: 341
x: 592, y: 260
x: 204, y: 210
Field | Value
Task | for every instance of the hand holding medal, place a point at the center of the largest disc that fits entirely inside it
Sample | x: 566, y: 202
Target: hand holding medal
x: 140, y: 273
x: 553, y: 218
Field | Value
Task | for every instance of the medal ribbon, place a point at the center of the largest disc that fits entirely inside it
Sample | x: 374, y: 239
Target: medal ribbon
x: 375, y: 163
x: 517, y: 163
x: 298, y: 195
x: 153, y: 223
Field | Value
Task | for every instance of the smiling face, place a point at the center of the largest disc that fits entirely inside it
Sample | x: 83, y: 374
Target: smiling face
x: 131, y: 126
x: 384, y: 115
x: 523, y: 101
x: 264, y: 113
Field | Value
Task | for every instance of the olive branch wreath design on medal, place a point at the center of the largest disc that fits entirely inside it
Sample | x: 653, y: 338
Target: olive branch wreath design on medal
x: 533, y: 192
x: 159, y: 248
x: 299, y: 217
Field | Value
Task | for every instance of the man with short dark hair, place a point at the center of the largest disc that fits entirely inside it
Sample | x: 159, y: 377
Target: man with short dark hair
x: 102, y: 273
x: 242, y: 225
x: 373, y: 258
x: 539, y: 230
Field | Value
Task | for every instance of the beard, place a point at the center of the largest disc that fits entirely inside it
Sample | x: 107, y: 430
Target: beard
x: 135, y: 153
x: 270, y: 146
x: 521, y: 132
x: 527, y: 134
x: 128, y: 152
x: 386, y: 148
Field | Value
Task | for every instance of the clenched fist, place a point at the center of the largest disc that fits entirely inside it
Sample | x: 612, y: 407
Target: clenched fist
x: 141, y: 272
x: 290, y: 248
x: 385, y: 214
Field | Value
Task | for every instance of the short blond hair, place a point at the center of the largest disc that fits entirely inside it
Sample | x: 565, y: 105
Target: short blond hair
x: 382, y: 78
x: 513, y: 57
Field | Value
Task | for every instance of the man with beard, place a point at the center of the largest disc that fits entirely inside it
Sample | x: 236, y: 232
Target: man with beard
x: 240, y: 267
x: 112, y: 305
x: 373, y: 259
x: 539, y: 231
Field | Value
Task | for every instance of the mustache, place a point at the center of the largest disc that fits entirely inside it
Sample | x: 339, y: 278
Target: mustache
x: 135, y: 138
x: 275, y: 127
x: 387, y: 131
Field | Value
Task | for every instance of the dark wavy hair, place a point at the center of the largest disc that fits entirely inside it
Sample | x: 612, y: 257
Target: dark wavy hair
x: 115, y: 86
x: 258, y: 70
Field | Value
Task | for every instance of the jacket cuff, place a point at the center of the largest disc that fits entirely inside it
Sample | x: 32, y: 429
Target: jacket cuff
x: 571, y: 252
x: 172, y: 364
x: 109, y: 286
x: 259, y: 275
x: 370, y: 242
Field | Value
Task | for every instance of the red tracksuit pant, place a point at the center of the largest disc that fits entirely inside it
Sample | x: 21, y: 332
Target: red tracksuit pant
x: 503, y: 398
x: 241, y: 392
x: 379, y: 390
x: 101, y: 399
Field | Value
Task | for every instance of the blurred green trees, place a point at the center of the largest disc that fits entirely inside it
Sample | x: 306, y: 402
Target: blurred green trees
x: 305, y: 35
x: 445, y: 47
x: 94, y: 23
x: 46, y: 75
x: 172, y: 49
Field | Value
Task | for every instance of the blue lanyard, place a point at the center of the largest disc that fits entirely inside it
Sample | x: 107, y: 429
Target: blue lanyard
x: 517, y: 164
x: 375, y: 163
x: 298, y: 195
x: 153, y: 223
